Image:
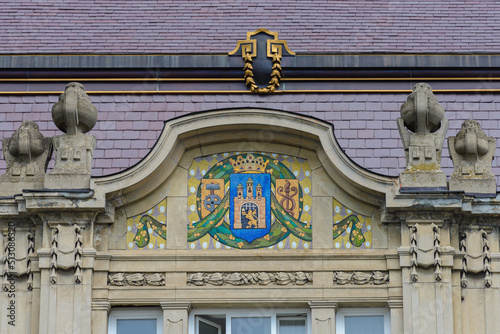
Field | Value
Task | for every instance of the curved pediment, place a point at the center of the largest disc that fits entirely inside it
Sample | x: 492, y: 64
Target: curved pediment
x: 247, y: 129
x: 246, y: 178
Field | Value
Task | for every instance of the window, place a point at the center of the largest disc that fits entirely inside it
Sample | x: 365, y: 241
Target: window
x: 363, y: 321
x: 251, y: 321
x: 134, y: 320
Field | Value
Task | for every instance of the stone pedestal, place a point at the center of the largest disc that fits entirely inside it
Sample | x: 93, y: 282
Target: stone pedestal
x: 73, y: 162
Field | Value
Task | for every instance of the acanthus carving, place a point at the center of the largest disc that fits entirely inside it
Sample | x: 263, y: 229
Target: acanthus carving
x: 425, y: 250
x: 477, y: 257
x: 360, y: 277
x: 66, y: 251
x: 255, y: 278
x: 136, y: 279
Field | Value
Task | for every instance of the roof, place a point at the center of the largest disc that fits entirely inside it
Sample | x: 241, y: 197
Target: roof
x: 201, y: 26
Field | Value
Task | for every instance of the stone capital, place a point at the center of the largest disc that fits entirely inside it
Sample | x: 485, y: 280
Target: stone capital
x: 102, y: 305
x: 324, y: 304
x: 176, y: 306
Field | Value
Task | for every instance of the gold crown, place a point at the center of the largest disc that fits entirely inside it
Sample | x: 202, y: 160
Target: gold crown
x: 250, y: 164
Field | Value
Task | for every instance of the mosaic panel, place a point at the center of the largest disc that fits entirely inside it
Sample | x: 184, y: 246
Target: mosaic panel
x: 350, y: 229
x: 149, y: 229
x: 249, y: 200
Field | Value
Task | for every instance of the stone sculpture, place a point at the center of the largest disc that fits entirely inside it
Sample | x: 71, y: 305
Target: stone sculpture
x: 472, y: 153
x: 422, y: 127
x: 75, y: 115
x: 26, y: 154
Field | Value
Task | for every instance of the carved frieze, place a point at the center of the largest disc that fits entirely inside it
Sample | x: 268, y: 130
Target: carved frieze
x: 136, y: 279
x: 253, y: 278
x: 360, y: 277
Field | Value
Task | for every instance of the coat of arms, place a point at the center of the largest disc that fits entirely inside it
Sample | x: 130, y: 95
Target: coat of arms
x: 250, y: 201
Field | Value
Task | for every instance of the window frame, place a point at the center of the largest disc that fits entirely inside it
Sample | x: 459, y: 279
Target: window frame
x: 133, y: 313
x: 375, y: 311
x: 208, y: 322
x: 273, y: 313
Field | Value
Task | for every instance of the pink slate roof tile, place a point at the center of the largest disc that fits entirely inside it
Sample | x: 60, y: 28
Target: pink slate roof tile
x: 364, y: 125
x: 201, y: 26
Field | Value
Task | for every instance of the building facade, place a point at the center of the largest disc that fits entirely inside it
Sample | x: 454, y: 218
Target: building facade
x: 259, y: 182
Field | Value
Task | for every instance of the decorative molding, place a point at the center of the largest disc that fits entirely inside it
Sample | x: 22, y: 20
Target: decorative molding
x: 103, y: 305
x: 66, y: 251
x: 486, y: 259
x: 463, y: 248
x: 275, y: 50
x: 136, y: 279
x: 438, y: 262
x: 360, y: 277
x: 17, y: 258
x: 255, y: 278
x: 324, y: 304
x: 477, y: 256
x: 413, y: 253
x: 395, y: 303
x: 275, y: 74
x: 176, y: 306
x: 425, y: 250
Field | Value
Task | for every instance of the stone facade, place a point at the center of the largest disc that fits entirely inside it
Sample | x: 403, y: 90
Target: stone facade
x: 429, y: 256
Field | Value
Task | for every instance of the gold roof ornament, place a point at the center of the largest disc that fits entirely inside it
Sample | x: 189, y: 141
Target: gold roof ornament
x: 262, y: 68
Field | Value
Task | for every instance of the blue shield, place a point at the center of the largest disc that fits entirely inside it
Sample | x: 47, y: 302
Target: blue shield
x: 250, y: 209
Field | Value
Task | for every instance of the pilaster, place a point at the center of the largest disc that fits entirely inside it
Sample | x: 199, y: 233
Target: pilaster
x: 175, y: 317
x: 100, y: 312
x: 323, y: 316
